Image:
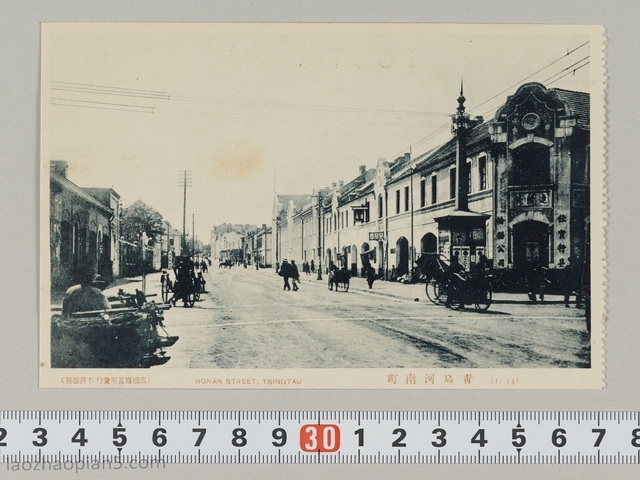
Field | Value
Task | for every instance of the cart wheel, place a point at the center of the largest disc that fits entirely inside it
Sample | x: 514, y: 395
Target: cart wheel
x: 436, y: 292
x: 455, y: 303
x: 485, y: 303
x: 454, y: 298
x: 196, y: 296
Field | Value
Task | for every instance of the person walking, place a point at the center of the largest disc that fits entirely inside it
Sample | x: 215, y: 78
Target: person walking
x: 201, y: 282
x: 165, y: 285
x: 313, y: 267
x: 536, y: 280
x: 371, y: 275
x: 285, y: 273
x: 571, y: 281
x: 295, y: 275
x: 185, y: 280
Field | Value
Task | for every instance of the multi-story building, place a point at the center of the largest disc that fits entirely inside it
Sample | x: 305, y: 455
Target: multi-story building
x: 228, y: 241
x: 84, y: 229
x: 513, y: 190
x: 347, y: 222
x: 258, y: 247
x: 171, y: 245
x: 288, y: 224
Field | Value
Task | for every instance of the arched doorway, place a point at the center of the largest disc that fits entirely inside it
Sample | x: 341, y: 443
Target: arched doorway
x: 353, y: 261
x: 402, y: 256
x: 428, y: 244
x: 530, y: 244
x: 366, y: 257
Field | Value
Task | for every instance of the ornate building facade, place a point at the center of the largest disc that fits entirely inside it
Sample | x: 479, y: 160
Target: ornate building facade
x: 513, y: 189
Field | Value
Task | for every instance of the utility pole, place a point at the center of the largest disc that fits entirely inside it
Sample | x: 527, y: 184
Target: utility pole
x: 193, y: 234
x: 319, y: 236
x: 412, y: 167
x: 186, y: 180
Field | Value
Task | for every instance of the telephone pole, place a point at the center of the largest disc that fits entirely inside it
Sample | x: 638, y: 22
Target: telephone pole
x: 185, y: 180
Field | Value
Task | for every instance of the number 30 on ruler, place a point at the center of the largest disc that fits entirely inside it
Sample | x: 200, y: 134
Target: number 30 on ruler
x: 320, y: 438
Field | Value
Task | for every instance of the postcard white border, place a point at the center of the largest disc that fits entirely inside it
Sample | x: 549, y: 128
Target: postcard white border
x: 511, y: 378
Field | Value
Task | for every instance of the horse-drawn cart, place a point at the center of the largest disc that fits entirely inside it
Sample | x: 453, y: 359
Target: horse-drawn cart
x: 339, y: 279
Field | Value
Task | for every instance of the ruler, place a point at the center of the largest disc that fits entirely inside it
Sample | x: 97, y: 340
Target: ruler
x: 341, y: 437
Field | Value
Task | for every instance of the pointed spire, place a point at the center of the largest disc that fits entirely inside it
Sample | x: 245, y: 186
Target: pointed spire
x: 461, y: 99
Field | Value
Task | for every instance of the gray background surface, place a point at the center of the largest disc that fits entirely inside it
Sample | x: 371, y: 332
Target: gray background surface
x: 19, y: 93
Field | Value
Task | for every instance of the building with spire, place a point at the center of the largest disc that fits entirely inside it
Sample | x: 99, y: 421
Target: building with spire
x: 513, y: 190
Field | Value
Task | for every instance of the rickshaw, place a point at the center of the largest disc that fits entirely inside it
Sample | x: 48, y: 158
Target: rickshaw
x: 452, y: 288
x: 187, y: 290
x: 468, y: 288
x: 435, y: 268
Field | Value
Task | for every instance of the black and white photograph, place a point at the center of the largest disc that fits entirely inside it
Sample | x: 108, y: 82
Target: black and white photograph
x: 265, y: 205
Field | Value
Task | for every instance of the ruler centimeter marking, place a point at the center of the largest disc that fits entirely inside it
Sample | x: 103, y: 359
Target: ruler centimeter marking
x: 283, y: 437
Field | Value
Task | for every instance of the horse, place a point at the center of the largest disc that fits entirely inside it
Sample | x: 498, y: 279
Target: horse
x: 339, y: 277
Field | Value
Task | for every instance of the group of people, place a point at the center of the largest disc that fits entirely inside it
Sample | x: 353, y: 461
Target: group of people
x: 570, y: 282
x: 186, y: 280
x: 308, y: 267
x: 289, y: 271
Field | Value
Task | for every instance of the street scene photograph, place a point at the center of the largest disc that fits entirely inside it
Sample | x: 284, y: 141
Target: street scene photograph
x: 322, y: 205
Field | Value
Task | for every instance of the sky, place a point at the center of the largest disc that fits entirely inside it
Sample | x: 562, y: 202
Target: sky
x: 252, y: 109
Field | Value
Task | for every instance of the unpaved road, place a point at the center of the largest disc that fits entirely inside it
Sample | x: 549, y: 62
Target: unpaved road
x: 247, y: 321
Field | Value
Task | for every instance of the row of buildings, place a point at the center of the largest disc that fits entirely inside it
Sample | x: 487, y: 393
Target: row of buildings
x: 86, y: 231
x: 512, y: 191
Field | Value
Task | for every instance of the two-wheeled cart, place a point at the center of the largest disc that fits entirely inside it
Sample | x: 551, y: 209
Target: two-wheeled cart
x: 340, y: 280
x: 451, y: 288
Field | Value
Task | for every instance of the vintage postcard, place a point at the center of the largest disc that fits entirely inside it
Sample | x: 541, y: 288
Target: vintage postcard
x: 348, y: 206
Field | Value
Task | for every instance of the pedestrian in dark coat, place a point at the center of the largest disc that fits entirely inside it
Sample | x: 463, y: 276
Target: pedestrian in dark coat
x: 295, y: 275
x: 371, y: 275
x: 313, y: 267
x: 201, y: 283
x: 536, y: 280
x: 571, y: 280
x: 285, y: 273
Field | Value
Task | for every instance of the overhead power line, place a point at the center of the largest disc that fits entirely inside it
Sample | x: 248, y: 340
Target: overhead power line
x: 442, y: 128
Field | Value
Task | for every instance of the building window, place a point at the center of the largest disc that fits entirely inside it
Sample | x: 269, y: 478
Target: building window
x: 379, y: 206
x: 531, y: 165
x: 482, y: 172
x: 361, y: 214
x: 469, y: 178
x: 452, y: 183
x: 406, y: 199
x: 434, y: 189
x: 346, y: 218
x: 423, y: 192
x: 397, y: 201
